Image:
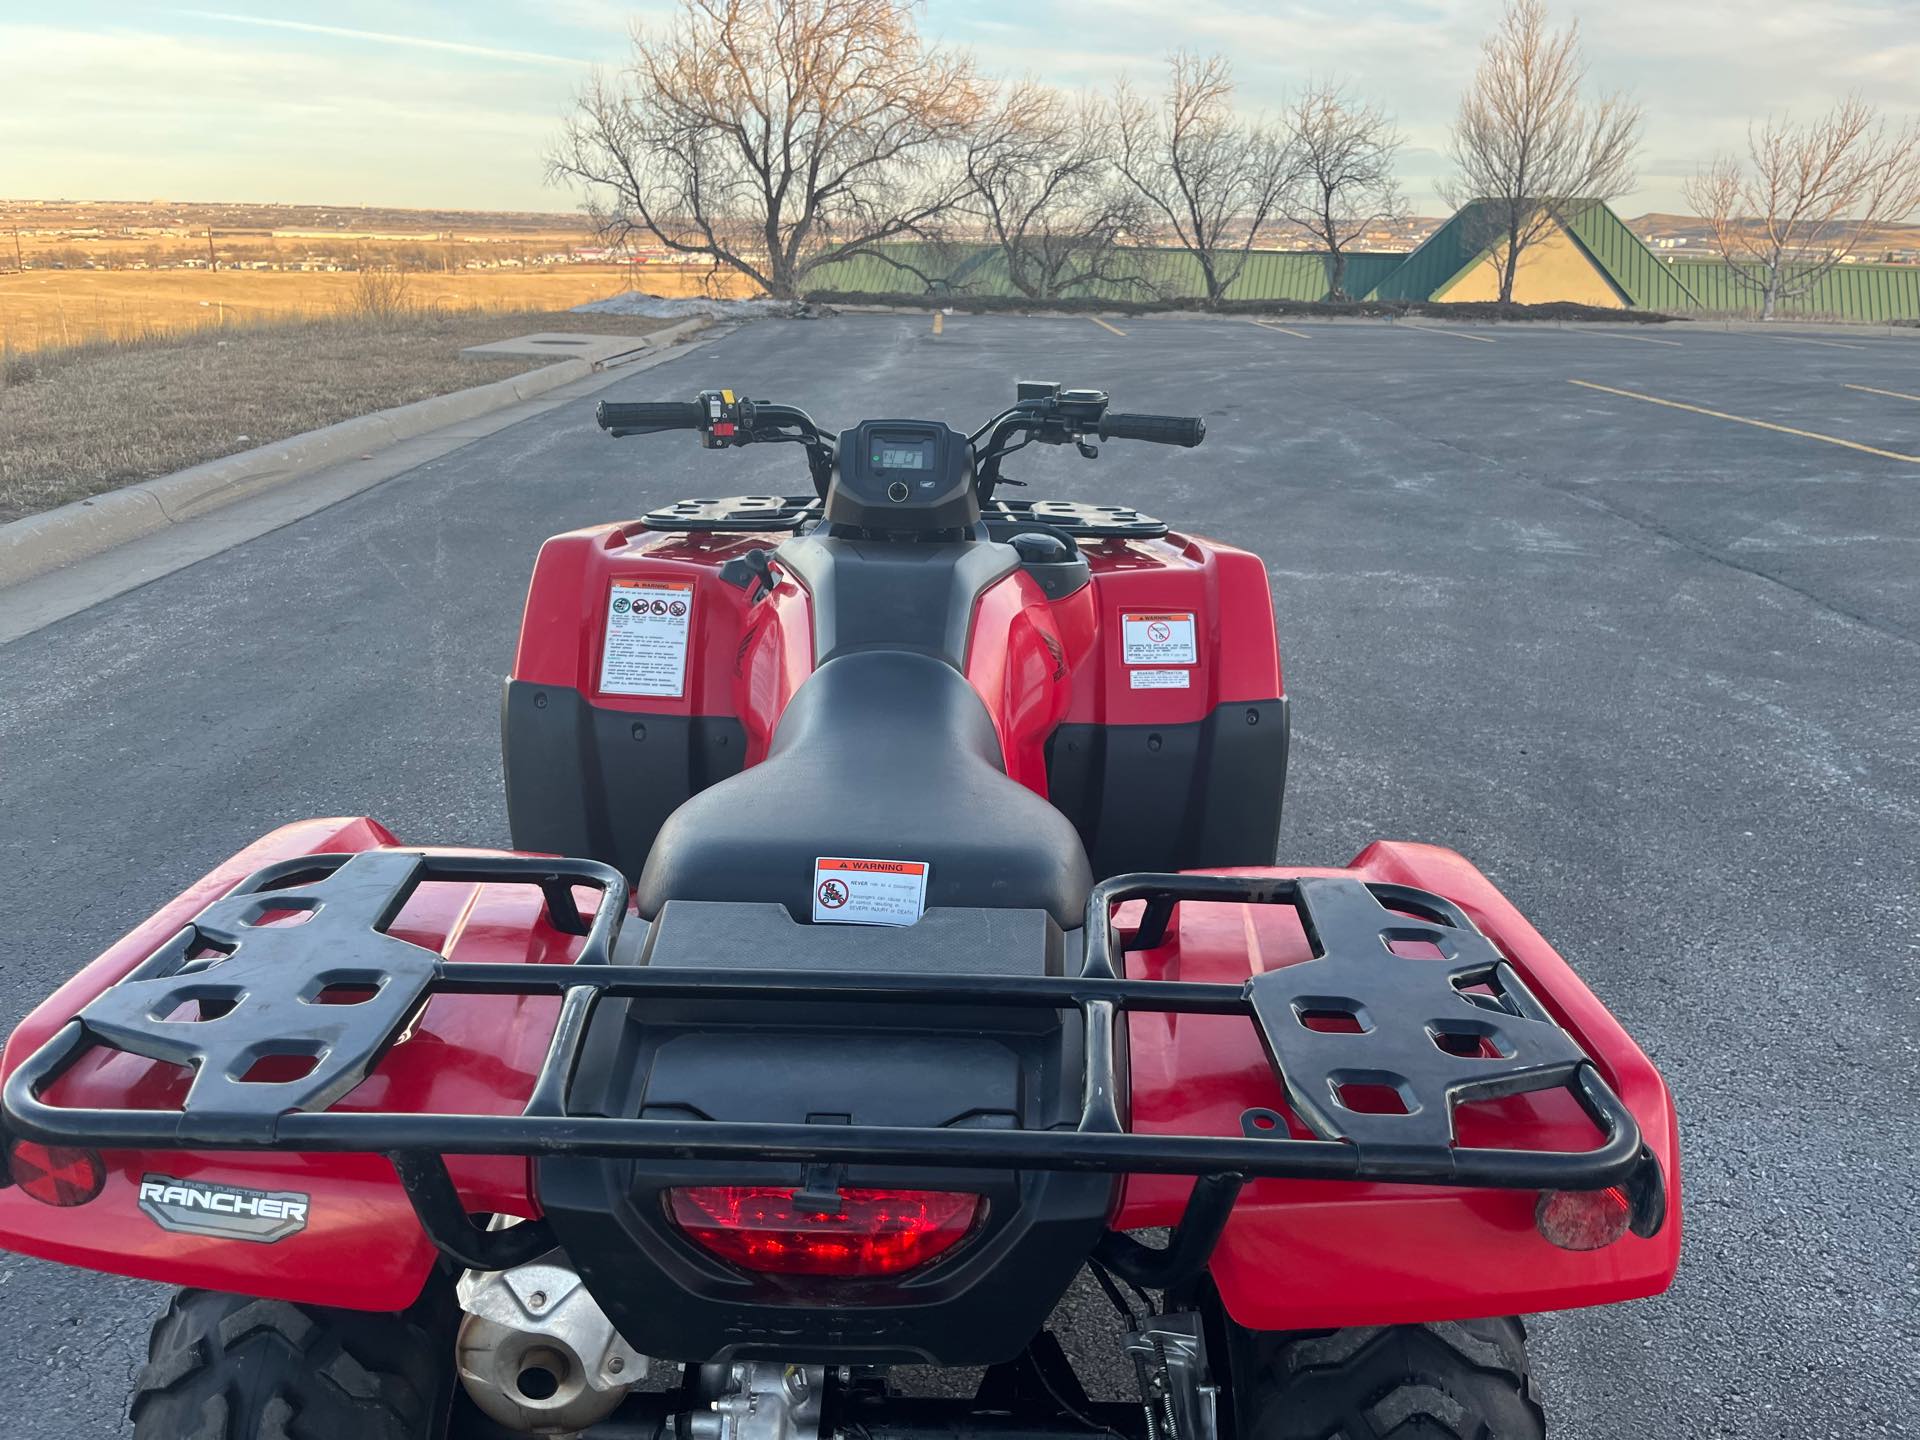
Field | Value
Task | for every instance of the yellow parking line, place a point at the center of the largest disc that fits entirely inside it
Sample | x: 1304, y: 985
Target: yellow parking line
x: 1451, y: 334
x: 1809, y: 340
x: 939, y: 322
x: 1896, y: 394
x: 1269, y: 325
x: 1743, y: 420
x: 1105, y: 326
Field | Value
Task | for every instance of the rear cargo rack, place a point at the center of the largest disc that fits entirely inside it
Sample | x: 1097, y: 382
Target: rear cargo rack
x: 1454, y: 1024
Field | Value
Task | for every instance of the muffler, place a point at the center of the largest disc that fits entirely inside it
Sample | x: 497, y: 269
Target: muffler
x: 537, y: 1353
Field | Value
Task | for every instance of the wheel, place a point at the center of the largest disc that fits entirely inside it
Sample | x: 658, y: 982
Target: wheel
x: 1462, y: 1380
x: 231, y: 1367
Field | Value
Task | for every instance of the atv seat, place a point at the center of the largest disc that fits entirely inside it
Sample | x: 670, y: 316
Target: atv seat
x: 881, y: 755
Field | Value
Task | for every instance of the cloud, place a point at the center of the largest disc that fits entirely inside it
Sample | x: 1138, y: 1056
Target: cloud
x: 1699, y: 69
x: 211, y: 103
x: 130, y: 113
x: 383, y: 37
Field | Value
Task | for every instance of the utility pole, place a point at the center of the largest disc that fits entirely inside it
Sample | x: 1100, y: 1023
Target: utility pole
x: 212, y: 264
x: 18, y: 263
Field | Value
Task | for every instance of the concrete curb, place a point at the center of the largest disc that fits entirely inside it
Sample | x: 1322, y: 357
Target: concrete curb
x: 37, y: 544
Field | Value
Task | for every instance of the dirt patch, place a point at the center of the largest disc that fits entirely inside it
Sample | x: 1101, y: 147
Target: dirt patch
x: 79, y: 421
x: 1559, y: 310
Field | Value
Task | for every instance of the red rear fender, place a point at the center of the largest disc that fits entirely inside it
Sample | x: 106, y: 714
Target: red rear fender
x: 361, y: 1246
x: 1313, y: 1254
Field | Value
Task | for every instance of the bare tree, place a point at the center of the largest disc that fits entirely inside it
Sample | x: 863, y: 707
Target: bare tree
x: 382, y: 296
x: 1346, y: 187
x: 1812, y: 196
x: 1039, y: 177
x: 774, y: 136
x: 1525, y: 145
x: 1215, y: 180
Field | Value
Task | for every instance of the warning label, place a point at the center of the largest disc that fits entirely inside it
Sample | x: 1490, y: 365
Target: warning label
x: 1164, y: 638
x: 648, y: 622
x: 869, y: 892
x: 1159, y: 679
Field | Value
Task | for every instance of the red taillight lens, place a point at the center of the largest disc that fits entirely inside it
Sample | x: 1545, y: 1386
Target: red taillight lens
x: 1583, y: 1219
x: 56, y: 1174
x: 873, y: 1232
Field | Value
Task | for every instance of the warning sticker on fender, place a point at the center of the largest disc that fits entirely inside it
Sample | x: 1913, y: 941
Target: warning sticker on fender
x: 1159, y: 679
x: 869, y: 892
x: 648, y: 622
x: 1158, y: 638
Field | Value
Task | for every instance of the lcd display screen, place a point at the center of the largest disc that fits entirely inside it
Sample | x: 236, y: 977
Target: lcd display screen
x: 902, y: 454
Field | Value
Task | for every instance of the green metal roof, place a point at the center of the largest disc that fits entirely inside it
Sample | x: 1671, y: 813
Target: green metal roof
x: 1439, y: 260
x: 1617, y: 253
x: 1624, y: 258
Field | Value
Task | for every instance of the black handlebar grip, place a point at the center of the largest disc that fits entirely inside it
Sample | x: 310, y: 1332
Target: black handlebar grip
x: 1187, y: 430
x: 650, y: 415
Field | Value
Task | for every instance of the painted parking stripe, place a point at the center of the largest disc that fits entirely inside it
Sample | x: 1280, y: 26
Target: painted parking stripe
x: 1896, y: 394
x: 1809, y: 340
x: 1744, y: 420
x: 1617, y: 335
x: 1105, y: 326
x: 1269, y: 325
x: 1450, y: 334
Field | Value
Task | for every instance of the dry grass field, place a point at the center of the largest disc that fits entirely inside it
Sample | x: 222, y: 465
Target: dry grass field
x: 44, y: 309
x: 84, y: 419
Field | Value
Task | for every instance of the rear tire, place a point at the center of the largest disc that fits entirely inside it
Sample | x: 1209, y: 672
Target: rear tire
x: 231, y: 1367
x: 1461, y: 1380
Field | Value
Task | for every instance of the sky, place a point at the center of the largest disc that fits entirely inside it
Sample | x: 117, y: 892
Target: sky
x: 453, y: 105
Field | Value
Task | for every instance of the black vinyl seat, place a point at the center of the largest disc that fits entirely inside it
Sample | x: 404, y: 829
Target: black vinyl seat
x: 881, y: 755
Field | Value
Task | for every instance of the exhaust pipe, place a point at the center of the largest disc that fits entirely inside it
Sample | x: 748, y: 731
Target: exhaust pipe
x: 537, y: 1353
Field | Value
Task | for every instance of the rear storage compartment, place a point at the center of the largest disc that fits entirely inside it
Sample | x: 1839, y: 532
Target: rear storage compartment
x: 820, y: 1263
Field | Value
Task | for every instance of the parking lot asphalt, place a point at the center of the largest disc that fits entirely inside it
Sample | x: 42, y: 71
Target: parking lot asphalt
x: 1629, y: 615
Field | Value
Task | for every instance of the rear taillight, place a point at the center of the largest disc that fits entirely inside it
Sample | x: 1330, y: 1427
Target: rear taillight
x: 56, y: 1174
x: 871, y: 1232
x: 1583, y: 1219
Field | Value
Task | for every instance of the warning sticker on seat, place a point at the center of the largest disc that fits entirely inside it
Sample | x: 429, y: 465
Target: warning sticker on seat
x: 1158, y: 638
x: 869, y: 892
x: 1159, y: 679
x: 648, y: 622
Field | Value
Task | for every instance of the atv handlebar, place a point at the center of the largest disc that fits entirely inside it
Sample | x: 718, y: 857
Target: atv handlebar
x: 1044, y: 412
x: 645, y: 417
x: 1186, y: 431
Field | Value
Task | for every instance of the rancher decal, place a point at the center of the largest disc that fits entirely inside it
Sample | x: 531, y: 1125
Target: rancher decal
x: 228, y: 1212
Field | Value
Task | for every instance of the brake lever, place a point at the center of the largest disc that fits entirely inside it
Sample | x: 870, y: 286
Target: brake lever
x: 1087, y: 452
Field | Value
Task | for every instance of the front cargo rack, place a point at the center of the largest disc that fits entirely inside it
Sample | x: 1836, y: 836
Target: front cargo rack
x: 761, y: 513
x: 1435, y: 1031
x: 772, y: 514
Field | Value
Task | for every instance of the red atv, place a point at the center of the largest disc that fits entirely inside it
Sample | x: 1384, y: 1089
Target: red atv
x: 952, y: 958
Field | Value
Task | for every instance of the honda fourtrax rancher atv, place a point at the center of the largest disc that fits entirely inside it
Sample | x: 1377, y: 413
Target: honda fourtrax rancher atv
x: 919, y: 949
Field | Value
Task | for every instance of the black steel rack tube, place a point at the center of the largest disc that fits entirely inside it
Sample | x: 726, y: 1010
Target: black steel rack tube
x: 1102, y: 1143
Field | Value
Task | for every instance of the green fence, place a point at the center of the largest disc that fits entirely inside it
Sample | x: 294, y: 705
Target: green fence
x: 1851, y: 292
x: 1678, y: 286
x: 913, y: 269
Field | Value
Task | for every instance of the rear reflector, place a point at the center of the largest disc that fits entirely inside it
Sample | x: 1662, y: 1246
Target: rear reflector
x: 1582, y: 1219
x: 872, y: 1232
x: 56, y: 1174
